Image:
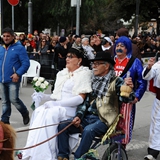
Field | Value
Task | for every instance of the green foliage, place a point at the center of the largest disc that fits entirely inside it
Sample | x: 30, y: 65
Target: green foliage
x: 94, y: 14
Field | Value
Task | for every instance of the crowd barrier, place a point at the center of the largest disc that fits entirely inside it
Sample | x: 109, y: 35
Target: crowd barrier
x: 47, y: 71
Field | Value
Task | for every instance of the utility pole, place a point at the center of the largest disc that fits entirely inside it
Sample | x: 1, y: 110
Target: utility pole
x: 137, y: 14
x: 77, y: 17
x: 12, y: 17
x: 30, y: 28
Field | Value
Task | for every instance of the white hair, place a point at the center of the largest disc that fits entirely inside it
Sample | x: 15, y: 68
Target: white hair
x: 85, y: 39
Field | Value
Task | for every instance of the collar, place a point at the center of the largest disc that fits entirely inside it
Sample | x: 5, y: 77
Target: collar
x: 7, y: 45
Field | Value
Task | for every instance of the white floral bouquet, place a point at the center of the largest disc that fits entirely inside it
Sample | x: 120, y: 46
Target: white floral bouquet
x: 40, y: 85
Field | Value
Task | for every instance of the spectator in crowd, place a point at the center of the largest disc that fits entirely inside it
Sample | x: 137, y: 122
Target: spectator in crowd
x: 22, y: 39
x: 153, y: 46
x: 29, y: 50
x: 44, y: 59
x: 52, y: 57
x: 95, y: 121
x: 147, y: 43
x: 12, y: 67
x: 106, y: 43
x: 70, y: 90
x: 16, y: 36
x: 124, y: 62
x: 55, y: 38
x: 35, y: 34
x: 112, y: 39
x: 48, y: 40
x: 31, y: 41
x: 60, y: 53
x: 158, y: 46
x: 97, y: 43
x: 77, y: 43
x: 152, y: 71
x: 89, y: 50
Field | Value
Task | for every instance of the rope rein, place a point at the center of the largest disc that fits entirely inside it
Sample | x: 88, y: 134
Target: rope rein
x: 14, y: 149
x: 24, y: 130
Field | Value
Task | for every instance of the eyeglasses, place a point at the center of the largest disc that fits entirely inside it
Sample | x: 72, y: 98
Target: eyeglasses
x: 70, y: 56
x: 96, y: 64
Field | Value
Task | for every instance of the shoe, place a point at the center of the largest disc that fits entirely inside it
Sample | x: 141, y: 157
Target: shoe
x: 26, y: 118
x: 149, y: 157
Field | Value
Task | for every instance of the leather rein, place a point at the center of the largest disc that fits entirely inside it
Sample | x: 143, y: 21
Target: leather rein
x: 14, y: 149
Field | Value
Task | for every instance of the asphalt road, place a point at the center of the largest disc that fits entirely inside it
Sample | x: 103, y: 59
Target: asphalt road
x: 136, y: 149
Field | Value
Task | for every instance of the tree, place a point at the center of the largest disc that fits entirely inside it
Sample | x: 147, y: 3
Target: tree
x: 94, y: 14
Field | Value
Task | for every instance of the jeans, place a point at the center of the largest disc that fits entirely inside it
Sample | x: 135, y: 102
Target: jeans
x: 93, y: 127
x: 10, y: 94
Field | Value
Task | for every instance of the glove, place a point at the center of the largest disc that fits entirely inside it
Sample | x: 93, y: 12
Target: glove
x: 37, y: 98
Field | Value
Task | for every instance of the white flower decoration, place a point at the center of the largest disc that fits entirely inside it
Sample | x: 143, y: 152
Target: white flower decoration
x: 46, y: 83
x: 43, y: 85
x: 35, y: 78
x: 38, y: 83
x: 41, y: 79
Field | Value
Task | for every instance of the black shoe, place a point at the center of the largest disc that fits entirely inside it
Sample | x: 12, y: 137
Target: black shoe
x: 26, y: 118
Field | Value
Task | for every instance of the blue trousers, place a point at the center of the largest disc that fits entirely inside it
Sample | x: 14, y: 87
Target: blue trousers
x: 10, y: 94
x: 93, y: 127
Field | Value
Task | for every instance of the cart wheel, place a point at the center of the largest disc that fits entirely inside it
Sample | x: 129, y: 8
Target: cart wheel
x: 112, y: 153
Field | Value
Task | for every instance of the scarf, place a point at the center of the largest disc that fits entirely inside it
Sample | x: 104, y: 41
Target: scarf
x: 100, y: 84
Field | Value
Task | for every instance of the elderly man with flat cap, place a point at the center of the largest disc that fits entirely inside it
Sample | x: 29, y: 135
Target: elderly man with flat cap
x: 95, y: 119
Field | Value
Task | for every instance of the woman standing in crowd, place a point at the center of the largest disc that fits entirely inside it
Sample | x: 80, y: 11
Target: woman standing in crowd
x: 89, y: 50
x: 44, y: 59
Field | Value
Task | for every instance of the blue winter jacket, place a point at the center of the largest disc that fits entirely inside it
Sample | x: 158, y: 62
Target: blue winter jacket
x: 13, y: 59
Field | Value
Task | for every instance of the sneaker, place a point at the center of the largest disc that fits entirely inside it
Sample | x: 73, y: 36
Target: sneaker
x: 149, y: 157
x: 26, y: 118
